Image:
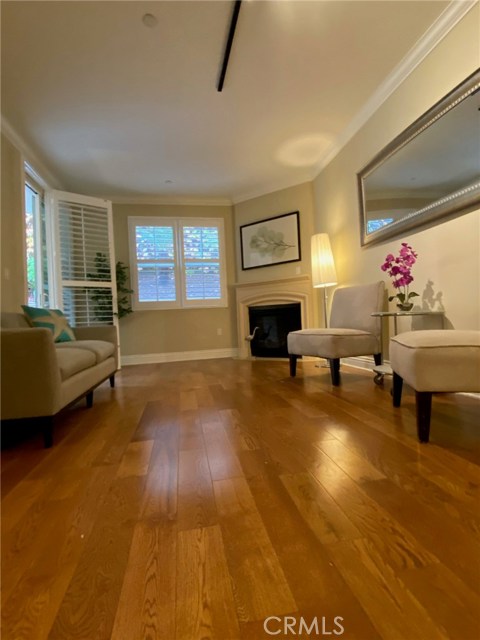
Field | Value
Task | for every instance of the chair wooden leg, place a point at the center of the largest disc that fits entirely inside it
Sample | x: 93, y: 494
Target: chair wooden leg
x: 335, y: 371
x: 293, y: 365
x: 112, y: 381
x: 424, y: 411
x: 377, y: 357
x: 89, y: 399
x: 397, y: 389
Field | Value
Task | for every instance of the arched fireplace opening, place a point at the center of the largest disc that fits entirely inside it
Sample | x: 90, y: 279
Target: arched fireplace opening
x: 269, y: 327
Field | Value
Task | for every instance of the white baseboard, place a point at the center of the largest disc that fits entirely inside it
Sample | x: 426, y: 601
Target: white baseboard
x: 362, y: 362
x: 178, y: 356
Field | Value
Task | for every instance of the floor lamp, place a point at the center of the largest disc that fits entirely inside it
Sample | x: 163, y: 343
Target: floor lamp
x: 323, y: 267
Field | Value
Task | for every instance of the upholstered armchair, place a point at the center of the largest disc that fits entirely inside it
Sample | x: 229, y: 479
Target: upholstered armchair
x: 352, y: 332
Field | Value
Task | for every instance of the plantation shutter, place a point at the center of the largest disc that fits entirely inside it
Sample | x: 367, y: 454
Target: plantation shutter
x: 85, y: 263
x: 177, y: 262
x: 201, y: 259
x: 156, y: 262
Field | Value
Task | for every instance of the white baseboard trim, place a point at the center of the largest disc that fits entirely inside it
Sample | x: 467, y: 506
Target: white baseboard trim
x: 361, y: 362
x: 178, y: 356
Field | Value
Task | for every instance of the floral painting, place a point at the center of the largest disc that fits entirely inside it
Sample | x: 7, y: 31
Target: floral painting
x: 271, y: 241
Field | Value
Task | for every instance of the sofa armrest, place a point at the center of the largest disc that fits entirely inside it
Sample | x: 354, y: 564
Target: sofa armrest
x: 30, y: 376
x: 106, y: 332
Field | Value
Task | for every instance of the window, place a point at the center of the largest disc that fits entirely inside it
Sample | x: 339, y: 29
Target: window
x: 177, y: 262
x: 373, y: 225
x: 36, y: 244
x: 70, y: 259
x: 86, y: 283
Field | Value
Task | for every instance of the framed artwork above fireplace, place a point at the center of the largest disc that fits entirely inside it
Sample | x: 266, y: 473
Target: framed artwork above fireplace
x: 271, y: 241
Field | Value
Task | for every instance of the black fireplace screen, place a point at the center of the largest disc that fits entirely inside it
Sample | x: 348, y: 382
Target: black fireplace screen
x: 269, y: 326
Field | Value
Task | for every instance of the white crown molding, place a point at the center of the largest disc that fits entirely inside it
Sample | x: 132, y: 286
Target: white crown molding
x: 48, y: 178
x: 171, y: 200
x: 179, y: 356
x: 272, y: 187
x: 455, y: 11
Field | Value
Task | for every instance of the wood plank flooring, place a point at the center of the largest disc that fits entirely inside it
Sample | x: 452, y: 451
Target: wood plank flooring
x: 197, y: 499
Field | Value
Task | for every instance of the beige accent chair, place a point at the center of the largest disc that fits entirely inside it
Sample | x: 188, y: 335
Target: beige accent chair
x: 39, y: 377
x: 435, y: 361
x: 352, y: 332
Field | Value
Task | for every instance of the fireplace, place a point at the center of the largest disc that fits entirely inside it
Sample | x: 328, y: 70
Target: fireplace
x: 269, y: 327
x: 270, y: 293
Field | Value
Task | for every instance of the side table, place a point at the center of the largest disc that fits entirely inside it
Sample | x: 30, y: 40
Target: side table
x: 385, y: 369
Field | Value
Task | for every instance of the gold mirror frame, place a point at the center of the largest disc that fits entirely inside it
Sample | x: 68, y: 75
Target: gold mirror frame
x: 459, y: 201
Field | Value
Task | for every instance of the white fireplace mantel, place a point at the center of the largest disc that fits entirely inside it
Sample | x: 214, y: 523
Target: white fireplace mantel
x: 282, y: 291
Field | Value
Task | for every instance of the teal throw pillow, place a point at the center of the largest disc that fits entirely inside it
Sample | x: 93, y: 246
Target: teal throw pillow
x: 52, y: 319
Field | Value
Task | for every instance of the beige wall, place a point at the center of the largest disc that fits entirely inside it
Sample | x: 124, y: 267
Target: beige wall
x: 297, y: 198
x: 176, y: 330
x: 448, y: 252
x: 13, y: 292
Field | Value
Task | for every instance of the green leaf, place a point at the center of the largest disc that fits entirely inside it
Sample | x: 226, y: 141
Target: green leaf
x: 101, y: 297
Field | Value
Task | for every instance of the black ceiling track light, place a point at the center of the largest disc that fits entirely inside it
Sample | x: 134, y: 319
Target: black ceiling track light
x: 228, y: 47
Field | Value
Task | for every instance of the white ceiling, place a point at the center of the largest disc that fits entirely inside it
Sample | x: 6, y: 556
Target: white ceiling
x: 117, y: 109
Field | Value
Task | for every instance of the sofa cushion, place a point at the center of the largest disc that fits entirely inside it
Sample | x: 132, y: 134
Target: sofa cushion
x: 100, y: 348
x: 72, y: 361
x: 52, y: 319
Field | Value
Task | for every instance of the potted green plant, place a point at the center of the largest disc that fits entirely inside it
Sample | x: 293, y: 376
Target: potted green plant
x: 102, y: 297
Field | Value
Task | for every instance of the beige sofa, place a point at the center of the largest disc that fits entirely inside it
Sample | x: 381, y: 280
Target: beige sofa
x: 39, y: 378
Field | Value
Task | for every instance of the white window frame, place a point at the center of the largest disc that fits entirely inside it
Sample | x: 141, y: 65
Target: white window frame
x: 37, y: 243
x: 179, y: 261
x: 40, y: 187
x: 55, y: 198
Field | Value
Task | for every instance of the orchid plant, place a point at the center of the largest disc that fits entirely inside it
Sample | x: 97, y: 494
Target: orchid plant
x: 400, y: 270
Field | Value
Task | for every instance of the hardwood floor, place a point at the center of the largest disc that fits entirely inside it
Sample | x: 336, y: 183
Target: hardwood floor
x: 197, y: 499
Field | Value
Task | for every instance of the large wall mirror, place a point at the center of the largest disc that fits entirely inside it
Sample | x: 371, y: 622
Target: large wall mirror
x: 430, y: 171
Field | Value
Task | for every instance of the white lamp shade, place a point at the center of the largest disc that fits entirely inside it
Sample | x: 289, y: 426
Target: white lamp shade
x: 323, y: 267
